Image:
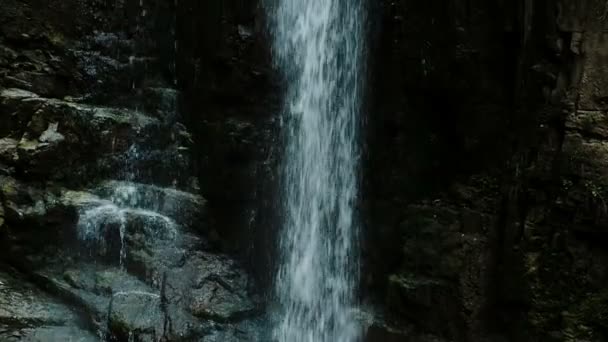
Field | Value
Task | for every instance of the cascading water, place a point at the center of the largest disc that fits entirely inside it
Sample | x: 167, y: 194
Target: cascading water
x: 318, y: 45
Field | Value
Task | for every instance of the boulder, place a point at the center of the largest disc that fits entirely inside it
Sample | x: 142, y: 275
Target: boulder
x: 137, y: 314
x: 214, y: 299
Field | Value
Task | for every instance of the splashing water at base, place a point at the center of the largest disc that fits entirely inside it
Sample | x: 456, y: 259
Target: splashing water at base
x: 318, y: 46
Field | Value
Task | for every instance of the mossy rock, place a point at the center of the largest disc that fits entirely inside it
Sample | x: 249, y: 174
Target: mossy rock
x: 56, y: 38
x: 594, y: 310
x: 8, y: 187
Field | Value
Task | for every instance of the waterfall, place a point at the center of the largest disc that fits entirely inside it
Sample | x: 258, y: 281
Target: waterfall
x: 318, y: 46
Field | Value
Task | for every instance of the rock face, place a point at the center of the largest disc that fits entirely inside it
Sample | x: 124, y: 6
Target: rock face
x: 231, y: 101
x: 485, y: 214
x: 104, y: 230
x: 484, y: 193
x: 28, y: 314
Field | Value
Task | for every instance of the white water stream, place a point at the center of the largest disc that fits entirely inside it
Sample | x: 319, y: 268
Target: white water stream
x: 318, y: 46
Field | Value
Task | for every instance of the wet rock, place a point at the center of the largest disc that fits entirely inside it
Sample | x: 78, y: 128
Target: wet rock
x: 244, y: 32
x: 438, y: 239
x: 23, y: 202
x: 587, y: 193
x: 8, y: 150
x: 378, y: 329
x: 95, y: 65
x: 50, y: 135
x: 38, y: 82
x: 22, y: 304
x: 94, y: 141
x: 590, y: 123
x: 155, y: 277
x: 417, y: 299
x: 14, y: 113
x: 28, y: 314
x: 2, y: 220
x: 377, y: 333
x: 137, y: 309
x: 80, y: 134
x: 593, y: 85
x: 136, y: 314
x: 221, y: 293
x: 92, y: 288
x: 161, y: 103
x: 78, y: 199
x: 42, y: 334
x: 151, y: 254
x: 183, y: 207
x: 109, y: 43
x: 253, y: 330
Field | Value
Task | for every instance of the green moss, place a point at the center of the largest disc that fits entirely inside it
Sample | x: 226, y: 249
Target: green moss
x: 28, y: 145
x: 76, y: 198
x: 8, y: 187
x: 54, y: 37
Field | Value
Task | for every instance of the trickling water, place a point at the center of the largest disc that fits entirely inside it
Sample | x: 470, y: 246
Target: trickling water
x: 318, y: 45
x: 93, y: 222
x: 128, y: 205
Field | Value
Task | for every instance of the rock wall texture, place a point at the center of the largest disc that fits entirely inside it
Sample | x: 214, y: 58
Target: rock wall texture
x: 231, y: 101
x: 484, y: 189
x: 104, y: 232
x: 486, y: 212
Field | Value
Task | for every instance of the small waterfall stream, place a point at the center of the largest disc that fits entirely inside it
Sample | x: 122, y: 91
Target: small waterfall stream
x: 318, y: 46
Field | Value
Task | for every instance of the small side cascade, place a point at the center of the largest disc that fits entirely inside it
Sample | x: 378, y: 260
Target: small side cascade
x: 126, y: 208
x: 94, y: 226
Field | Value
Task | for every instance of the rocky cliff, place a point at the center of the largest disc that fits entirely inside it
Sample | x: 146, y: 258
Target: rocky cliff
x: 484, y: 186
x: 486, y: 212
x: 104, y: 231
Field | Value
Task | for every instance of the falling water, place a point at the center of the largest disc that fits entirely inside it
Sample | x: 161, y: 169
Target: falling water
x: 318, y: 45
x: 128, y: 204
